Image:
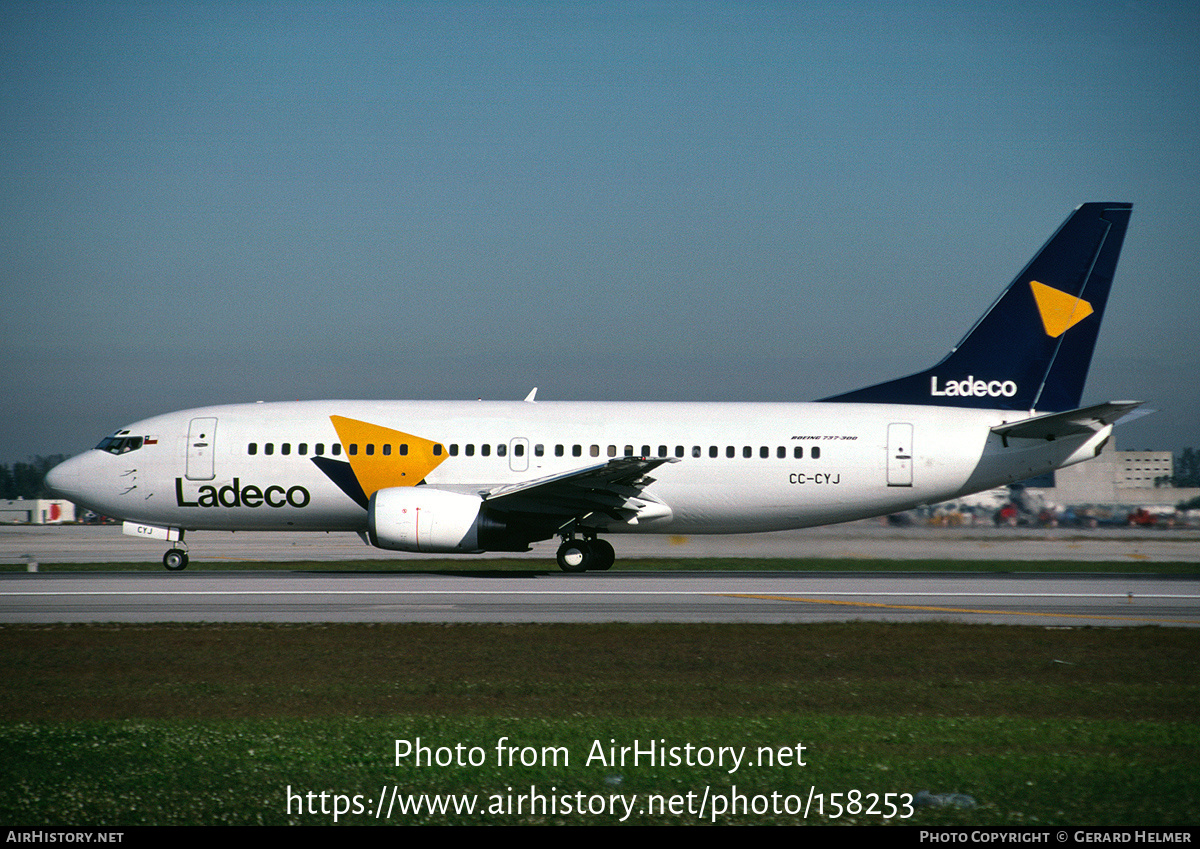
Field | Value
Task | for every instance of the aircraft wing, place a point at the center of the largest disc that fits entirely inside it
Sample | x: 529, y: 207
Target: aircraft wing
x: 606, y: 491
x: 1071, y: 423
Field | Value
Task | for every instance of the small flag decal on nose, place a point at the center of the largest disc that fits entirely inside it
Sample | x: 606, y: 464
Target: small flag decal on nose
x: 1059, y: 311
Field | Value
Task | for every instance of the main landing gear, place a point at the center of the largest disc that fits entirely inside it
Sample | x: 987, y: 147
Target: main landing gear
x: 582, y: 554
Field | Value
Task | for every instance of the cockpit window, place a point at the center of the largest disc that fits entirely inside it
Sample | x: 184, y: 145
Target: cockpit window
x: 120, y: 444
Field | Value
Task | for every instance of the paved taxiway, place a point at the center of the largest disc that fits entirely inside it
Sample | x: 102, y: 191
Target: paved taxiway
x: 1060, y: 600
x: 400, y: 593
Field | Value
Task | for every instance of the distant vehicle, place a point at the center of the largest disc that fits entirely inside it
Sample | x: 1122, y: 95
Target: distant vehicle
x: 1141, y: 517
x: 455, y: 476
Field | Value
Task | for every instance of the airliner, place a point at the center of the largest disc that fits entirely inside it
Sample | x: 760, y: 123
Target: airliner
x: 476, y: 476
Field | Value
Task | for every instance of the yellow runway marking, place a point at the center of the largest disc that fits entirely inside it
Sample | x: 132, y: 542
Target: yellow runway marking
x: 932, y: 609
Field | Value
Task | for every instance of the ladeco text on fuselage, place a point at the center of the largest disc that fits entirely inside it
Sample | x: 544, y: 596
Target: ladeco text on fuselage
x: 236, y: 495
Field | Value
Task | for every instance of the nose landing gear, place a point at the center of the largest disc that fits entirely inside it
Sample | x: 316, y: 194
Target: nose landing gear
x: 582, y: 555
x: 176, y: 560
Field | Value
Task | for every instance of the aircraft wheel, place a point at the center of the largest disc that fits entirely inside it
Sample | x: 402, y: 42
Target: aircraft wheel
x: 603, y: 556
x: 575, y: 555
x: 175, y: 560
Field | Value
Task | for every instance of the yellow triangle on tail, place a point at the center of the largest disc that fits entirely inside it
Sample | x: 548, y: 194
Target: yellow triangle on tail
x: 381, y: 457
x: 1059, y: 311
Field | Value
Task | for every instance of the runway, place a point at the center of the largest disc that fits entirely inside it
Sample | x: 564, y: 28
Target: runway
x: 691, y: 597
x: 398, y: 592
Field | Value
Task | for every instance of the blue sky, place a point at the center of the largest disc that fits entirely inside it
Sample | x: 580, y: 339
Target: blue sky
x: 217, y: 202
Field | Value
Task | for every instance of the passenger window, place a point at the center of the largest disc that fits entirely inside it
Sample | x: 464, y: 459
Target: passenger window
x: 712, y: 451
x: 269, y: 448
x: 437, y: 449
x: 628, y: 450
x: 336, y: 449
x: 747, y: 451
x: 286, y: 448
x: 370, y: 449
x: 470, y: 449
x: 453, y: 449
x: 595, y: 450
x: 816, y: 452
x: 696, y: 452
x: 352, y: 449
x: 559, y: 450
x: 252, y: 448
x: 798, y: 452
x: 645, y: 450
x: 501, y: 450
x: 485, y: 450
x: 781, y: 453
x: 387, y: 450
x: 576, y: 450
x: 519, y: 450
x: 678, y: 450
x: 730, y: 451
x: 662, y: 451
x: 302, y: 449
x: 764, y: 452
x: 403, y: 449
x: 539, y: 450
x: 319, y: 448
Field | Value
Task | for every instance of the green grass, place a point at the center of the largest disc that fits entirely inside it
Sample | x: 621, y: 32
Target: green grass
x: 181, y: 724
x: 1019, y: 772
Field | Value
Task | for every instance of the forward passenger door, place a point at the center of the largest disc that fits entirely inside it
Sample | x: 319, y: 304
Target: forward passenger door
x: 202, y: 435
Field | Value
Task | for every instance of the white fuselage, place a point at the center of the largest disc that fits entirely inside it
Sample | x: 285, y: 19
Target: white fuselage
x: 737, y: 467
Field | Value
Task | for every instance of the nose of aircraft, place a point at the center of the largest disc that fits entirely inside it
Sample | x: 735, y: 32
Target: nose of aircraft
x: 63, y: 479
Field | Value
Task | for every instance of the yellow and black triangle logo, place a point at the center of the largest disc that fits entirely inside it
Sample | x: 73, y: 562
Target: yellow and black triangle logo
x: 378, y: 457
x: 382, y: 457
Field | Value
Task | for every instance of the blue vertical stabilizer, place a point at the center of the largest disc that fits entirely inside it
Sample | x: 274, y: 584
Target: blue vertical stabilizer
x: 1032, y: 349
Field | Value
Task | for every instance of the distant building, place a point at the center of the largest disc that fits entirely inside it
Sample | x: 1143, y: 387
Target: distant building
x: 36, y: 511
x: 1140, y: 469
x: 1118, y: 478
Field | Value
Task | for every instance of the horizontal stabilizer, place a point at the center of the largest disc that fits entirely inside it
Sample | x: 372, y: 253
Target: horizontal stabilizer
x: 1071, y: 423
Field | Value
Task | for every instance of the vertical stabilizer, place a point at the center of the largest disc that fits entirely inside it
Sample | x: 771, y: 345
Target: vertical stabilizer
x: 1032, y: 348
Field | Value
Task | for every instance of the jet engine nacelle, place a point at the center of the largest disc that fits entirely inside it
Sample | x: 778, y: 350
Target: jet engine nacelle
x: 421, y: 518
